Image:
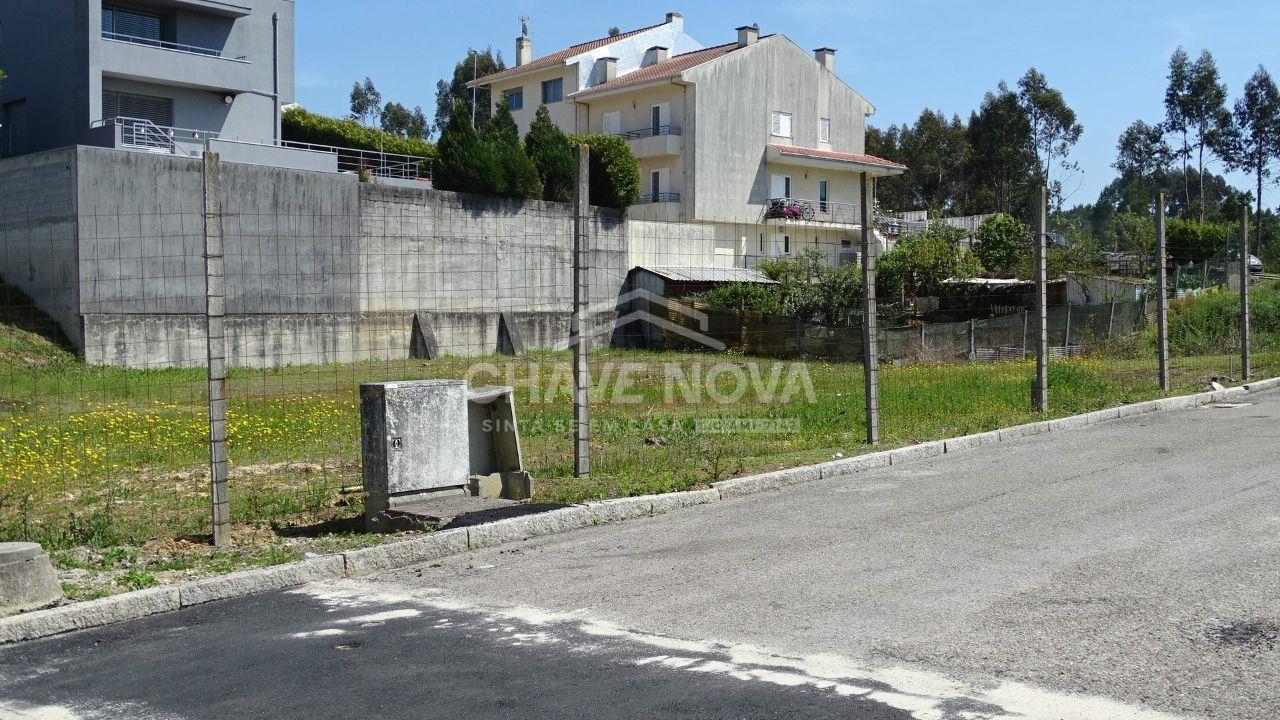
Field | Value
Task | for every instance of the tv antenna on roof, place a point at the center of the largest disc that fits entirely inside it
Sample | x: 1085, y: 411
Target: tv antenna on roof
x: 524, y: 26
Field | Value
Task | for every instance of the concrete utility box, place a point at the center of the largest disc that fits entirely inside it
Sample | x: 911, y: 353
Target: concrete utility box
x: 432, y: 446
x: 27, y: 580
x: 414, y: 439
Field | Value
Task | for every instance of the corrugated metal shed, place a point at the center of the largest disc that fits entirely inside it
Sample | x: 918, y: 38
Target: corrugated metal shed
x: 707, y: 274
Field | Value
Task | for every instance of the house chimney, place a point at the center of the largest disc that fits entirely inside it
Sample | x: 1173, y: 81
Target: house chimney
x: 748, y: 35
x: 606, y: 69
x: 826, y: 57
x: 655, y: 55
x: 673, y: 16
x: 524, y: 50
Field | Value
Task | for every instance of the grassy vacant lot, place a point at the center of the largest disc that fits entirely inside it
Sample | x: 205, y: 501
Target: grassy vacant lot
x: 107, y: 467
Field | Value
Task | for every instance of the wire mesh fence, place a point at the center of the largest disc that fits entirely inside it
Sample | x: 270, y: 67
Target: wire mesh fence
x: 110, y: 304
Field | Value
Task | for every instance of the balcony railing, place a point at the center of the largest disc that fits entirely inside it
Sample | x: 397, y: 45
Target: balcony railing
x: 658, y: 198
x: 141, y: 134
x: 650, y: 132
x: 822, y: 211
x: 166, y: 45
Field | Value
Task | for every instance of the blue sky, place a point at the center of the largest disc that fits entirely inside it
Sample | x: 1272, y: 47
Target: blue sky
x: 1108, y: 58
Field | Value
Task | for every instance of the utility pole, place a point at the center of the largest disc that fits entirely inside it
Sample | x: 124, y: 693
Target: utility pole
x: 870, y: 352
x: 1040, y: 386
x: 1162, y: 295
x: 475, y: 70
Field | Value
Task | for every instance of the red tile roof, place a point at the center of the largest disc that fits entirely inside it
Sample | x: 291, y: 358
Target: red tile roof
x: 669, y: 68
x: 559, y: 57
x: 837, y: 156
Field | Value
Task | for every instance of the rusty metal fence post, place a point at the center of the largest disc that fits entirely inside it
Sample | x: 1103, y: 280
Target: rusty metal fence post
x: 216, y: 349
x: 1162, y: 295
x: 1246, y: 356
x: 1040, y: 385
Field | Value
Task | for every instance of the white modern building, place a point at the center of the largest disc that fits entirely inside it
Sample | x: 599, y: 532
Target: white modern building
x: 755, y: 140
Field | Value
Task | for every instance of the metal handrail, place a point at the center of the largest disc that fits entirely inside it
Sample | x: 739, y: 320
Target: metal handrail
x: 166, y: 45
x: 658, y: 197
x: 650, y: 132
x: 804, y: 210
x: 146, y: 135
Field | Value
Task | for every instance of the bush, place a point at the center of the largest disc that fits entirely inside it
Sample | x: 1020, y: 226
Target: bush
x: 1194, y: 241
x: 918, y: 264
x: 551, y: 153
x: 1002, y: 244
x: 299, y: 125
x: 806, y: 288
x: 615, y: 174
x: 1209, y: 323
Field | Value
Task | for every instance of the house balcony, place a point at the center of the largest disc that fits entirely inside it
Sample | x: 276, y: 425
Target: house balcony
x: 170, y: 63
x: 657, y: 141
x: 812, y: 212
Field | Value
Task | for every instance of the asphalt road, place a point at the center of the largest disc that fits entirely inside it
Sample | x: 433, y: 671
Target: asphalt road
x: 1128, y: 570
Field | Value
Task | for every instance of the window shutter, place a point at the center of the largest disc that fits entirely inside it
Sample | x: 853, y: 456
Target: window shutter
x: 132, y: 23
x: 612, y: 123
x: 777, y: 124
x: 824, y: 129
x: 144, y: 107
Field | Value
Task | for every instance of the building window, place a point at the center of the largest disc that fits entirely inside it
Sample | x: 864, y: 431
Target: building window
x: 655, y: 185
x: 762, y: 242
x: 158, y: 110
x: 132, y: 23
x: 824, y: 130
x: 552, y: 91
x: 781, y: 126
x: 822, y: 196
x: 786, y: 244
x: 515, y: 98
x: 655, y: 118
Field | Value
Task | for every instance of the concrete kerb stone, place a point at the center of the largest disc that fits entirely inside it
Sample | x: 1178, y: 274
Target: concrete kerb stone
x: 265, y: 579
x: 152, y: 601
x: 406, y: 552
x: 92, y: 613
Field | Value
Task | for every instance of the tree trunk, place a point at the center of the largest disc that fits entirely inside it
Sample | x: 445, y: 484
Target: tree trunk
x: 1257, y: 218
x: 1202, y: 180
x: 1186, y: 181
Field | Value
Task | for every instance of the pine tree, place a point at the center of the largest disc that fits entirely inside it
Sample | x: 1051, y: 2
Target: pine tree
x: 463, y: 162
x: 519, y: 176
x: 550, y: 152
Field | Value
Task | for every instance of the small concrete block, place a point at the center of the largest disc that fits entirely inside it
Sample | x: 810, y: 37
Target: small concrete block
x: 676, y: 500
x: 922, y: 451
x: 1228, y: 395
x: 1182, y: 402
x: 27, y: 579
x: 855, y: 464
x: 92, y: 613
x: 393, y: 555
x: 968, y: 442
x: 266, y: 579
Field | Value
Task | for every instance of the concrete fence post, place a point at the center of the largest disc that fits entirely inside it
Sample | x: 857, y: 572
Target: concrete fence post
x: 973, y: 339
x: 216, y: 349
x: 1111, y: 320
x: 1024, y: 332
x: 1246, y: 356
x: 1066, y: 335
x: 870, y: 352
x: 1040, y: 386
x: 1162, y: 295
x: 580, y: 323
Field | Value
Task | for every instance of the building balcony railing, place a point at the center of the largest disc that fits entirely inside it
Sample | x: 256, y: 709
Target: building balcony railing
x: 821, y: 211
x: 661, y: 197
x: 652, y: 131
x: 144, y: 135
x: 166, y: 45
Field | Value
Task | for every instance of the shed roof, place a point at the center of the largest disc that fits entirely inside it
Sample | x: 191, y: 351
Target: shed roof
x: 681, y: 273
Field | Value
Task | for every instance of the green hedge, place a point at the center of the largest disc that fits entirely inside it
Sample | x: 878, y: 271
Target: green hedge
x: 299, y: 125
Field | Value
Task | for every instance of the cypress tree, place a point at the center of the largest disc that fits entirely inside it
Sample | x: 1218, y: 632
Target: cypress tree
x: 551, y: 153
x: 463, y: 162
x: 518, y: 176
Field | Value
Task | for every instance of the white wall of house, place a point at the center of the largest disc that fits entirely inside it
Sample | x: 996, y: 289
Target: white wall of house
x: 562, y: 112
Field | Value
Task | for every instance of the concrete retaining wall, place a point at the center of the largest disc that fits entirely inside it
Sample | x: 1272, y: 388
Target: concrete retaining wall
x: 320, y: 268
